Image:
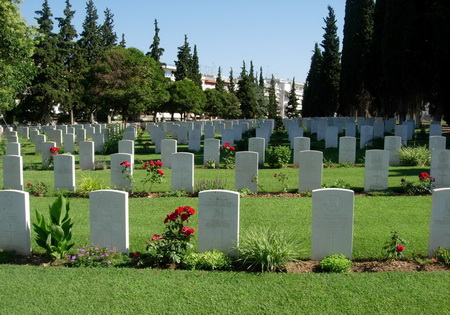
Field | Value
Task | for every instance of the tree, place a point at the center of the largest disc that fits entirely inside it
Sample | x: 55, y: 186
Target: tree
x: 183, y: 64
x: 185, y: 97
x: 291, y: 110
x: 91, y: 40
x: 220, y: 84
x: 194, y: 72
x: 331, y: 67
x: 272, y: 107
x: 214, y: 102
x: 231, y: 85
x: 16, y: 48
x: 155, y: 51
x: 358, y: 31
x: 123, y: 43
x: 312, y: 89
x: 107, y: 34
x: 261, y: 78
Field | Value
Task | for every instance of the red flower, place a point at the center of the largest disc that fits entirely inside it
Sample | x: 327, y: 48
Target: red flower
x: 187, y: 231
x: 189, y: 210
x: 275, y: 175
x: 160, y: 172
x: 232, y: 149
x: 135, y: 255
x: 54, y: 150
x: 184, y: 216
x: 156, y: 237
x: 125, y: 163
x: 159, y: 163
x: 424, y: 175
x: 399, y: 248
x: 29, y: 184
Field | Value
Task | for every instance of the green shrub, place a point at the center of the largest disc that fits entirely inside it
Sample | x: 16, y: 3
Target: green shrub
x: 336, y: 263
x: 267, y: 250
x: 89, y: 184
x: 94, y: 256
x: 338, y: 183
x: 278, y: 156
x: 443, y: 256
x: 210, y: 184
x: 55, y: 235
x: 415, y: 156
x: 209, y: 260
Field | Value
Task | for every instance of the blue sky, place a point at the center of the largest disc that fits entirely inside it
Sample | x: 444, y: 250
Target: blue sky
x: 278, y: 36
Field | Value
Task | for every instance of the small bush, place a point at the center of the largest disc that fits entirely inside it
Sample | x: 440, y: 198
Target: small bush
x: 336, y: 263
x: 443, y: 256
x: 209, y: 260
x: 338, y: 184
x: 88, y: 184
x: 94, y: 256
x: 175, y: 193
x: 210, y: 184
x: 415, y: 156
x: 267, y: 250
x: 278, y: 156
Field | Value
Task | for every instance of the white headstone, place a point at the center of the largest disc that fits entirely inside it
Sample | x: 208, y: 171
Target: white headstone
x: 376, y: 170
x: 182, y: 172
x: 99, y: 141
x: 440, y: 168
x: 81, y: 135
x: 13, y: 172
x: 121, y: 175
x: 228, y: 136
x: 246, y: 171
x: 310, y: 170
x: 13, y: 148
x: 258, y: 145
x: 157, y: 136
x: 211, y: 151
x: 332, y: 222
x: 435, y: 130
x: 437, y: 143
x: 440, y: 221
x: 331, y: 137
x: 64, y: 172
x: 209, y: 132
x: 378, y: 129
x: 168, y: 146
x: 38, y: 141
x: 218, y: 221
x: 126, y: 146
x: 402, y: 132
x: 109, y: 219
x: 46, y: 155
x: 194, y: 140
x: 366, y: 136
x: 393, y: 144
x: 347, y: 150
x: 69, y: 143
x: 87, y: 155
x: 57, y: 136
x: 300, y: 144
x: 15, y: 231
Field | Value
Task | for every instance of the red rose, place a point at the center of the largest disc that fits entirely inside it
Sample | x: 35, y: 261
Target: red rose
x: 135, y: 255
x: 159, y: 163
x: 184, y: 216
x: 156, y: 237
x: 29, y: 184
x: 179, y: 210
x: 232, y: 149
x: 399, y: 248
x: 187, y: 231
x: 189, y: 210
x: 160, y: 172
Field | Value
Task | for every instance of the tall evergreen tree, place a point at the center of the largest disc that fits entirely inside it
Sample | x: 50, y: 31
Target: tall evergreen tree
x: 261, y: 78
x: 220, y: 84
x: 183, y: 64
x: 108, y: 36
x: 312, y: 89
x: 231, y: 85
x: 291, y: 109
x: 123, y: 43
x: 91, y: 40
x: 194, y: 73
x: 247, y: 94
x: 331, y: 67
x: 156, y: 51
x: 358, y: 30
x: 272, y: 107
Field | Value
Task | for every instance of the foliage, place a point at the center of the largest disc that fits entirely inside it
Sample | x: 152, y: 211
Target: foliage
x: 291, y: 109
x: 206, y: 184
x: 156, y: 51
x: 272, y: 106
x: 171, y: 246
x: 282, y: 178
x: 311, y: 90
x: 209, y: 260
x: 227, y: 155
x: 38, y: 188
x: 154, y: 174
x: 336, y: 263
x: 278, y: 156
x: 55, y: 235
x: 100, y: 163
x: 185, y: 97
x: 415, y: 156
x: 175, y: 193
x: 394, y: 247
x: 338, y: 183
x: 245, y: 192
x: 112, y: 145
x: 265, y: 249
x: 423, y: 186
x: 88, y: 184
x: 94, y: 256
x: 442, y: 256
x: 422, y: 259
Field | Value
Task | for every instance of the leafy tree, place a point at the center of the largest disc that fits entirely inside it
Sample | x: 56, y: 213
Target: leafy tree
x: 231, y: 107
x: 214, y: 102
x: 156, y: 51
x: 220, y: 84
x: 331, y: 67
x: 185, y: 97
x: 183, y: 64
x: 194, y: 73
x: 291, y: 109
x: 358, y: 31
x: 272, y: 108
x: 312, y: 89
x: 16, y: 48
x: 107, y: 34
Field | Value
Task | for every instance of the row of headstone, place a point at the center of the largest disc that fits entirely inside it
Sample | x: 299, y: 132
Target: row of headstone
x: 218, y: 221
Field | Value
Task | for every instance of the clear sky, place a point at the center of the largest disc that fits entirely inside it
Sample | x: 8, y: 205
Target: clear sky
x: 278, y: 36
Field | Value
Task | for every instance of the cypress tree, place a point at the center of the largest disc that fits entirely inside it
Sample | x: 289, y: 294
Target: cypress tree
x: 272, y: 107
x: 108, y: 36
x: 330, y: 70
x: 183, y: 64
x: 123, y: 43
x: 91, y: 41
x: 231, y: 85
x: 261, y: 79
x: 220, y: 84
x: 155, y: 51
x: 194, y: 73
x: 312, y: 89
x: 291, y: 109
x: 358, y: 30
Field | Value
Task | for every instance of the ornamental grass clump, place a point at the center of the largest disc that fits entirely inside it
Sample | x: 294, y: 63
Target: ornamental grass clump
x: 336, y: 263
x: 264, y: 249
x: 171, y: 246
x: 415, y: 156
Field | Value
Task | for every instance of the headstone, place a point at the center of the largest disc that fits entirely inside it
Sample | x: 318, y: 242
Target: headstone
x: 64, y: 172
x: 435, y: 130
x: 99, y: 142
x: 294, y: 132
x: 121, y: 176
x: 24, y: 132
x: 322, y: 125
x: 209, y: 132
x: 89, y: 132
x: 332, y: 222
x: 87, y: 155
x: 181, y: 134
x: 39, y: 140
x: 393, y: 144
x: 310, y: 170
x: 331, y: 137
x: 263, y: 133
x: 440, y: 168
x: 15, y: 231
x: 402, y: 132
x: 33, y: 134
x: 46, y: 154
x: 218, y: 221
x: 347, y: 150
x: 219, y: 128
x: 437, y: 143
x: 13, y: 148
x: 109, y: 219
x: 168, y: 146
x: 366, y: 136
x: 194, y: 140
x: 237, y: 132
x: 126, y: 146
x: 69, y: 143
x: 300, y: 144
x: 227, y: 136
x: 211, y: 151
x: 440, y: 221
x: 182, y: 172
x: 13, y: 172
x: 376, y: 170
x: 157, y: 136
x: 258, y: 145
x: 246, y: 171
x: 57, y: 136
x: 81, y: 135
